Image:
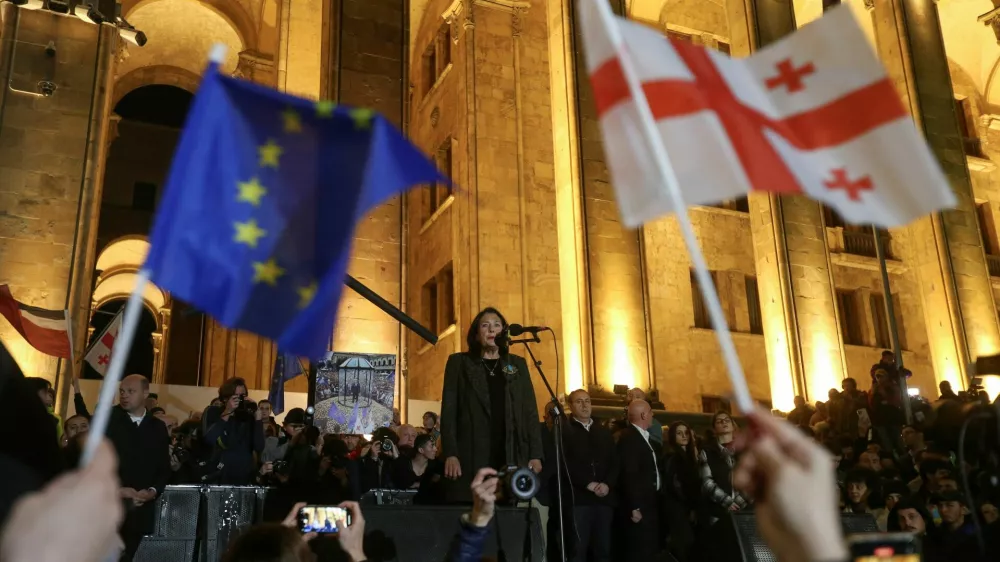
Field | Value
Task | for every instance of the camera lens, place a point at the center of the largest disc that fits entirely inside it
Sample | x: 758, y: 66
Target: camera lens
x: 523, y: 484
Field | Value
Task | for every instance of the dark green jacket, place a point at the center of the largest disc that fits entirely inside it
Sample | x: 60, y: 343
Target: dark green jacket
x: 466, y: 414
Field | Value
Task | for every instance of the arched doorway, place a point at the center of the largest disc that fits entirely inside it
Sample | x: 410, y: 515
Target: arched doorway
x: 149, y: 121
x: 142, y: 358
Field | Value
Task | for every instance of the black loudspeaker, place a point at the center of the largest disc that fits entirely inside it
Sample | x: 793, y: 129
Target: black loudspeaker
x: 738, y: 538
x: 425, y: 533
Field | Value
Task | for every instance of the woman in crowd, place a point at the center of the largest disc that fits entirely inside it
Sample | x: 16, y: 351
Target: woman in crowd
x: 681, y: 487
x: 717, y: 460
x: 488, y: 412
x: 421, y: 471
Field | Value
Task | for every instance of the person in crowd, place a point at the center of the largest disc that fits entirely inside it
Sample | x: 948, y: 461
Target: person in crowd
x: 853, y: 401
x: 266, y: 410
x: 716, y: 464
x: 79, y: 404
x: 419, y: 470
x: 656, y: 428
x: 913, y: 441
x: 802, y: 412
x: 187, y: 453
x: 946, y: 392
x: 153, y: 402
x: 407, y: 435
x: 892, y: 493
x: 303, y: 461
x: 276, y: 447
x: 43, y: 389
x: 886, y: 404
x: 639, y: 485
x: 75, y: 425
x: 931, y: 472
x: 167, y: 419
x: 469, y: 543
x: 143, y: 449
x: 75, y: 429
x: 681, y: 489
x: 858, y: 487
x: 354, y: 445
x: 235, y: 434
x: 910, y: 515
x: 157, y: 411
x: 869, y: 460
x: 489, y: 416
x: 339, y: 477
x: 820, y: 415
x: 956, y: 533
x: 377, y: 460
x: 593, y: 469
x: 989, y: 511
x: 430, y: 425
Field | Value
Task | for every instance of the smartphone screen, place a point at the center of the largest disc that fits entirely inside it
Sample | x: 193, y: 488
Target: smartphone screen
x: 324, y: 519
x: 884, y: 547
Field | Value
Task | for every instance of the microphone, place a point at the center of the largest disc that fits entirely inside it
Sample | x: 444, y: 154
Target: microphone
x: 514, y: 330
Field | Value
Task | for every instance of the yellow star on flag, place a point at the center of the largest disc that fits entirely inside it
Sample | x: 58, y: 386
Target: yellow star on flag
x: 306, y: 294
x: 248, y: 233
x: 362, y: 117
x: 251, y: 191
x: 267, y: 272
x: 324, y: 108
x: 269, y: 154
x: 292, y: 122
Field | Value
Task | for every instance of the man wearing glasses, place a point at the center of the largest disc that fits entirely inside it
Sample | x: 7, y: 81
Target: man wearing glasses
x: 235, y: 433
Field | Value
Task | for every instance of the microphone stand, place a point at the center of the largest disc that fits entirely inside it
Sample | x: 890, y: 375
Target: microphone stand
x: 557, y: 412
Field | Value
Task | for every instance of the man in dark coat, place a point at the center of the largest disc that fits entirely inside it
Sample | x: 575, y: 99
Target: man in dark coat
x: 639, y: 485
x: 143, y: 448
x: 489, y: 417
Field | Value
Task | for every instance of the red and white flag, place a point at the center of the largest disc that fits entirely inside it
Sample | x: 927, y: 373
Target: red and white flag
x: 46, y: 330
x: 99, y: 355
x: 814, y: 113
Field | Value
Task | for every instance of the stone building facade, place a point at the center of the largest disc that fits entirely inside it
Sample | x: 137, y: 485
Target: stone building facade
x: 496, y: 92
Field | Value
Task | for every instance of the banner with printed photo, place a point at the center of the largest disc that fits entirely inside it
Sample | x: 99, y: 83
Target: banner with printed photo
x: 354, y: 392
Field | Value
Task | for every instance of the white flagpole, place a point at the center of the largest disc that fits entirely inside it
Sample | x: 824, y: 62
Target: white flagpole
x: 119, y: 355
x: 741, y: 392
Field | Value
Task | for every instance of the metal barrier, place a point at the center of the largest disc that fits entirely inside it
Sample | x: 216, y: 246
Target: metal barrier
x: 195, y: 523
x: 380, y: 496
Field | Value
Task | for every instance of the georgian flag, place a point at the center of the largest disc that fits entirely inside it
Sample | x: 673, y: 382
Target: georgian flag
x: 99, y: 355
x: 46, y: 330
x: 814, y: 113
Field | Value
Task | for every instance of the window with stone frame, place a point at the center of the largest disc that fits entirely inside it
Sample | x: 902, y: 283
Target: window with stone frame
x: 988, y: 235
x: 711, y: 404
x: 858, y: 238
x: 437, y: 194
x: 966, y: 125
x: 702, y: 319
x: 850, y: 318
x: 880, y: 321
x: 437, y: 302
x: 437, y: 57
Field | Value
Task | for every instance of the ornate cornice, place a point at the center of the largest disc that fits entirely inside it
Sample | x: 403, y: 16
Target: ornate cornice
x: 992, y: 19
x: 505, y: 5
x: 452, y: 16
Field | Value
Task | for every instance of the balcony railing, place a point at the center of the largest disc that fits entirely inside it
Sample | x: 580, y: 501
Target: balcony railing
x: 862, y: 243
x: 993, y: 264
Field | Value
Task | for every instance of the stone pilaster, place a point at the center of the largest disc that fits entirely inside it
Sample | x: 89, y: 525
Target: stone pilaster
x: 945, y: 250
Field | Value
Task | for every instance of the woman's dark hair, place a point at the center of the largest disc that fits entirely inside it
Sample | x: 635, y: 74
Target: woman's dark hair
x: 691, y: 453
x: 892, y: 523
x: 334, y: 447
x: 432, y: 415
x: 269, y: 542
x: 471, y: 339
x: 421, y: 441
x: 38, y: 384
x: 228, y: 388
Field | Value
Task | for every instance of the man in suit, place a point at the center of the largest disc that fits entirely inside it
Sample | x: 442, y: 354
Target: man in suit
x: 639, y: 485
x: 592, y: 465
x: 143, y: 448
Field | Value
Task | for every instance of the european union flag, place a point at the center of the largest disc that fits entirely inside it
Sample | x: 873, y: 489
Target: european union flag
x: 286, y: 367
x: 265, y: 189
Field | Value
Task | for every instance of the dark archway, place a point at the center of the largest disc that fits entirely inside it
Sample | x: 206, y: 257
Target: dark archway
x: 138, y: 163
x: 141, y: 358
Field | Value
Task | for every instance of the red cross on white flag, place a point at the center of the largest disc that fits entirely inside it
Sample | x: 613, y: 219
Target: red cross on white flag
x: 814, y: 113
x: 99, y: 353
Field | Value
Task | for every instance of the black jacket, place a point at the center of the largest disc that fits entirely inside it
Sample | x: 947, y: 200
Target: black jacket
x: 234, y: 442
x: 637, y: 484
x: 143, y: 450
x: 590, y: 457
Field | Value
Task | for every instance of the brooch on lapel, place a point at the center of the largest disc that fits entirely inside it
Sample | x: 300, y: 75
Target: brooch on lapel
x: 509, y: 369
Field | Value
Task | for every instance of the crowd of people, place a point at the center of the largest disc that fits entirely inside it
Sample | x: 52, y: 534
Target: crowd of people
x: 633, y: 487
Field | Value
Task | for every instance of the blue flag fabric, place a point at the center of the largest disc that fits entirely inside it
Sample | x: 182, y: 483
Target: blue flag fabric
x: 286, y: 367
x: 259, y: 210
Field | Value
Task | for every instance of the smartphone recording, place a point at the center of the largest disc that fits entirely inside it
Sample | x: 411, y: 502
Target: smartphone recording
x: 323, y: 519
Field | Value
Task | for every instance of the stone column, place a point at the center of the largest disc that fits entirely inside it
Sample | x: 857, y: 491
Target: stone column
x: 51, y: 167
x: 798, y: 301
x: 945, y: 249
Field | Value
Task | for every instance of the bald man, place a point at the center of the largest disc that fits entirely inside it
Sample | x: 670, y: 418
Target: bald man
x: 639, y: 485
x: 143, y: 448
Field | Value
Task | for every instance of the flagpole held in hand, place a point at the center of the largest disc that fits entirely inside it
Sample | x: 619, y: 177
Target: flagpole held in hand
x: 741, y: 392
x: 119, y: 355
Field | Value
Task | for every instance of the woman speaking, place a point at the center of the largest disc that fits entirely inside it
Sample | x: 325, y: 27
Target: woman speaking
x: 488, y: 412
